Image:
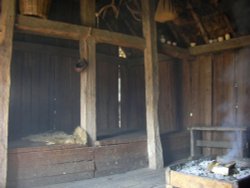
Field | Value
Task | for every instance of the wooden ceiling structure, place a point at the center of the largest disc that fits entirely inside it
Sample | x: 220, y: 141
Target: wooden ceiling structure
x: 87, y: 37
x: 193, y: 24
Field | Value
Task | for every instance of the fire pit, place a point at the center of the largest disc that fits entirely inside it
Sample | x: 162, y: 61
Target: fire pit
x: 199, y: 174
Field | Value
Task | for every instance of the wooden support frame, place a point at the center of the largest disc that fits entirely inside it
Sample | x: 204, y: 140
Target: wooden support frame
x: 154, y: 146
x: 75, y: 32
x: 8, y: 17
x: 88, y: 76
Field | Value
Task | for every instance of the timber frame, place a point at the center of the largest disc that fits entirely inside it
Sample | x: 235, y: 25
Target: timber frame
x: 88, y: 37
x: 7, y: 30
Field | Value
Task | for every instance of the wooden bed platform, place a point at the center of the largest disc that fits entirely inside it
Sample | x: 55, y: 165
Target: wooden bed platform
x: 36, y: 164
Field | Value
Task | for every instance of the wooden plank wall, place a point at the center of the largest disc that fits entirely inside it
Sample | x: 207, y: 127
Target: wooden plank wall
x: 133, y: 100
x: 168, y: 96
x: 44, y: 94
x: 216, y: 92
x: 107, y: 95
x: 196, y: 92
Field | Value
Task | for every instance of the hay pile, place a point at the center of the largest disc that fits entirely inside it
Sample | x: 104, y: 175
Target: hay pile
x: 79, y: 137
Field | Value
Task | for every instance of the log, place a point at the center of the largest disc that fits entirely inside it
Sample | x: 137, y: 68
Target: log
x: 154, y: 146
x: 8, y: 15
x: 76, y: 32
x: 88, y: 76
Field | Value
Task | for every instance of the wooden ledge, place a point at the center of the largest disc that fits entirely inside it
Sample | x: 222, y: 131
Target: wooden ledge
x: 220, y: 46
x: 76, y: 32
x: 175, y: 52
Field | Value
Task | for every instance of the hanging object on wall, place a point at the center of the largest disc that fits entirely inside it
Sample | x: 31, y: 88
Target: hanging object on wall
x: 81, y: 65
x: 165, y: 11
x: 38, y: 8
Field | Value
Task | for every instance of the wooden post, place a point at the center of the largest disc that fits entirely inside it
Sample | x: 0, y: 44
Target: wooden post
x: 152, y: 89
x: 8, y: 17
x: 88, y: 76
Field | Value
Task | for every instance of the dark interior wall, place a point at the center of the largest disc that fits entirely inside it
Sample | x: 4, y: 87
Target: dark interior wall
x: 44, y: 92
x: 169, y: 95
x: 132, y: 104
x: 107, y: 95
x: 231, y: 90
x: 216, y: 92
x: 134, y: 97
x: 216, y: 89
x: 196, y: 91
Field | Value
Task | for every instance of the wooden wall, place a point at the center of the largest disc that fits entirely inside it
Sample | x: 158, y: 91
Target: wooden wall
x: 132, y: 96
x: 216, y: 91
x: 44, y: 92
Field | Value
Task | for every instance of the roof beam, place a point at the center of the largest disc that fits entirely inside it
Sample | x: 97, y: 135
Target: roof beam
x: 76, y: 32
x: 220, y: 46
x: 199, y: 23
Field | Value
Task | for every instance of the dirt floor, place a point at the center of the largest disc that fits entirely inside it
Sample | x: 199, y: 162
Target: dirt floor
x: 143, y: 178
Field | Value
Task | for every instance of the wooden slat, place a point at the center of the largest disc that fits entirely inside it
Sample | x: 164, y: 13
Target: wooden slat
x: 151, y: 85
x: 220, y: 46
x: 7, y: 18
x: 75, y: 32
x: 213, y: 144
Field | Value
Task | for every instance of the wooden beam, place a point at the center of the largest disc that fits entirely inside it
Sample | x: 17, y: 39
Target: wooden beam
x: 8, y: 16
x: 220, y: 46
x: 152, y: 86
x: 199, y: 23
x: 76, y: 32
x: 88, y: 76
x: 176, y: 52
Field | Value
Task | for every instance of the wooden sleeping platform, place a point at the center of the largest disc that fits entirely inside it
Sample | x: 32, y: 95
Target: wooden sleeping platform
x: 36, y: 164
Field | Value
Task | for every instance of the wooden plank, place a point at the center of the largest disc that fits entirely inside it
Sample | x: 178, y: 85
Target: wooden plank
x: 234, y: 43
x: 194, y: 151
x: 7, y: 18
x: 88, y: 76
x: 182, y: 180
x: 42, y: 181
x: 120, y: 158
x: 48, y: 157
x: 35, y: 171
x: 176, y: 52
x: 213, y: 144
x: 223, y: 129
x: 155, y: 156
x: 75, y: 32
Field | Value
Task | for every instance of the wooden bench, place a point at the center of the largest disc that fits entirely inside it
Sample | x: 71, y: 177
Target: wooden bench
x: 197, y: 143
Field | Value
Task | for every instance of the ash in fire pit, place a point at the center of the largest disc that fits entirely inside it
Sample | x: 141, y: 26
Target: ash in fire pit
x: 201, y: 168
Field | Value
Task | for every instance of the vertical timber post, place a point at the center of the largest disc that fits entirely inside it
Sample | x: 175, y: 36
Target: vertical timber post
x: 7, y: 29
x: 88, y: 76
x: 155, y: 156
